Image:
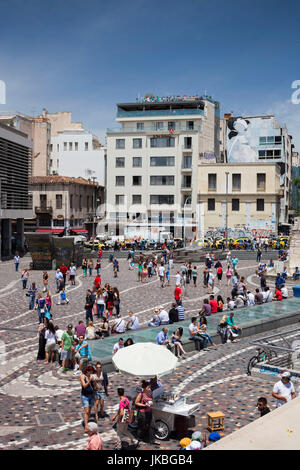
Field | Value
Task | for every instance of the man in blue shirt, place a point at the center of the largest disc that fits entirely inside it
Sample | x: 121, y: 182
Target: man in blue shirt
x: 163, y: 340
x: 279, y: 281
x: 83, y: 354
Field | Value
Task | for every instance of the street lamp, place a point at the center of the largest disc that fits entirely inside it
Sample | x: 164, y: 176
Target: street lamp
x: 185, y: 203
x: 226, y: 219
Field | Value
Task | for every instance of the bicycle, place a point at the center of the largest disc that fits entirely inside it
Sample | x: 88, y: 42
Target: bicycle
x: 260, y: 357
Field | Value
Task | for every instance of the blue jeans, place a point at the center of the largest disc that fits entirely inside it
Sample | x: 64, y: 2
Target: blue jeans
x: 17, y: 266
x: 88, y: 316
x: 100, y: 310
x: 41, y: 315
x: 31, y: 302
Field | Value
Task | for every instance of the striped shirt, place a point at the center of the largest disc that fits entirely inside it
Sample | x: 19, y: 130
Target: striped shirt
x: 180, y: 310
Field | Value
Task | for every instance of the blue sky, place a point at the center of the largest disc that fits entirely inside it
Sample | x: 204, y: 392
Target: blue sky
x: 85, y: 56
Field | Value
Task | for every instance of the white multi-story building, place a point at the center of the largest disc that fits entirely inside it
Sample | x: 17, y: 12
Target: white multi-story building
x: 152, y: 164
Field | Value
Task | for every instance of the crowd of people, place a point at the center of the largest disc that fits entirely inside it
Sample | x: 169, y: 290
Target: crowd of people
x: 71, y: 346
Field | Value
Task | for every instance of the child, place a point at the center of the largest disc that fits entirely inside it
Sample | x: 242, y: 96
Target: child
x: 168, y: 275
x: 63, y: 297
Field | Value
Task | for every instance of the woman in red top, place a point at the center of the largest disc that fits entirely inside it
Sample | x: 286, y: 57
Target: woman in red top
x: 278, y: 294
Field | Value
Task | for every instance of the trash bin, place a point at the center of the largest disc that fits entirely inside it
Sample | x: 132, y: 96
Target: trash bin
x: 296, y: 291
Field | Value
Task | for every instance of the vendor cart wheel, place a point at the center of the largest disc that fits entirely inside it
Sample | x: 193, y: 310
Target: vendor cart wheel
x: 162, y: 431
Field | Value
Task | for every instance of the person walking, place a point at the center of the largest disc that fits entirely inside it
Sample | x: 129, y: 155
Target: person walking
x: 50, y: 337
x: 100, y: 385
x: 32, y: 291
x: 120, y: 417
x: 95, y: 441
x: 72, y: 271
x: 24, y: 278
x: 17, y: 261
x: 87, y: 394
x: 284, y: 390
x: 45, y: 281
x: 89, y: 303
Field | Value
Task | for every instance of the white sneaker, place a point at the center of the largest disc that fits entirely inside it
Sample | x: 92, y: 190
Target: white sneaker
x: 228, y: 341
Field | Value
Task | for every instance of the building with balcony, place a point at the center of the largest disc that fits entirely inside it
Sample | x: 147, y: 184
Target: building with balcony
x: 15, y: 203
x: 239, y: 196
x: 152, y: 163
x: 66, y: 205
x: 260, y: 139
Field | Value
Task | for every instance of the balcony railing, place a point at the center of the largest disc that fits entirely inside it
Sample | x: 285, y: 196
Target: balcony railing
x: 161, y: 112
x: 165, y: 128
x: 43, y: 210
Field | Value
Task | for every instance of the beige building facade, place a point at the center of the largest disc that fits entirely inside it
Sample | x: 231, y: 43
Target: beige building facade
x: 239, y: 196
x: 67, y: 204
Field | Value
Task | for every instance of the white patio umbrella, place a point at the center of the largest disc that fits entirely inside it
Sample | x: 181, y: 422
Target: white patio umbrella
x: 145, y: 360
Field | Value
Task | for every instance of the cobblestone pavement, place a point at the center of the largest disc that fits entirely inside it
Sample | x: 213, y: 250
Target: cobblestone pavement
x: 41, y: 408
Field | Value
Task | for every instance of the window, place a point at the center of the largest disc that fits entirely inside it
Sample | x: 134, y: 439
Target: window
x: 261, y: 181
x: 159, y: 126
x: 86, y: 146
x: 58, y: 201
x: 187, y: 161
x: 162, y: 142
x: 88, y: 203
x: 277, y: 139
x: 76, y: 146
x: 211, y: 204
x: 71, y: 201
x: 162, y: 161
x: 80, y: 202
x: 70, y: 146
x: 162, y: 180
x: 136, y: 181
x: 260, y: 205
x: 190, y: 125
x: 171, y: 125
x: 212, y: 181
x: 137, y: 143
x: 136, y: 199
x: 140, y: 126
x: 136, y: 161
x: 188, y: 142
x: 187, y: 181
x: 235, y: 205
x: 236, y: 182
x: 120, y: 199
x: 120, y: 143
x: 43, y: 201
x: 120, y: 180
x: 65, y: 146
x: 51, y: 147
x: 162, y: 199
x: 58, y: 223
x: 186, y: 200
x: 120, y: 162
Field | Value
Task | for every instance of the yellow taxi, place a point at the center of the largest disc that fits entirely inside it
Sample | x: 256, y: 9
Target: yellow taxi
x: 281, y: 242
x: 203, y: 243
x: 220, y: 241
x: 241, y: 242
x: 94, y: 244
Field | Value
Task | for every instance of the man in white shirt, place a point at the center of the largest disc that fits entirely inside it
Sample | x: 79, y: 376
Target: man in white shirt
x: 285, y: 292
x: 161, y: 273
x: 119, y: 326
x: 17, y: 261
x: 118, y: 345
x: 72, y: 271
x: 163, y: 316
x: 268, y: 295
x: 177, y: 278
x: 250, y: 298
x: 284, y: 390
x: 133, y: 323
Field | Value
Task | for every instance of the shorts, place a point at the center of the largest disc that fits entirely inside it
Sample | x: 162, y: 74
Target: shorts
x: 72, y: 277
x: 66, y: 355
x: 50, y: 347
x: 100, y: 395
x: 87, y: 400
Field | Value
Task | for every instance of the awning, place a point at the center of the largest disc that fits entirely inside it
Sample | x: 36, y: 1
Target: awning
x: 78, y: 230
x: 55, y: 231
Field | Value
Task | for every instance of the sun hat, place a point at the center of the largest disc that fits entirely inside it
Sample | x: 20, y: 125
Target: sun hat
x: 286, y: 374
x: 185, y: 442
x: 194, y: 445
x: 214, y: 436
x: 197, y: 436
